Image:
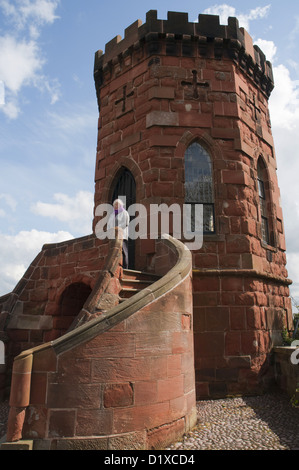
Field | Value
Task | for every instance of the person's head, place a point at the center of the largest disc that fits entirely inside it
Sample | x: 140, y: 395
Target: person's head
x: 118, y: 205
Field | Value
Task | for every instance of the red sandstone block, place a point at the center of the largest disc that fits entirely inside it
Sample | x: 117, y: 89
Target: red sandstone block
x: 249, y: 342
x: 168, y: 175
x: 38, y: 389
x: 116, y: 395
x: 163, y: 140
x: 206, y: 299
x: 186, y: 322
x: 94, y: 422
x: 111, y: 344
x: 38, y: 295
x: 161, y: 437
x: 70, y: 395
x: 247, y: 298
x: 232, y: 284
x: 161, y: 162
x: 62, y: 423
x: 68, y: 269
x: 171, y: 388
x: 153, y: 343
x: 181, y: 342
x: 222, y: 108
x: 161, y: 92
x: 191, y: 119
x: 206, y: 260
x: 204, y: 284
x: 162, y: 189
x: 140, y: 417
x: 112, y: 370
x: 217, y: 318
x: 236, y: 208
x: 227, y: 298
x: 72, y: 369
x: 199, y: 319
x: 44, y: 361
x: 202, y: 390
x: 232, y: 343
x: 145, y: 392
x: 158, y: 367
x: 253, y: 315
x: 235, y: 177
x: 237, y: 244
x: 150, y: 175
x: 237, y: 318
x: 174, y: 365
x: 261, y: 299
x: 209, y: 344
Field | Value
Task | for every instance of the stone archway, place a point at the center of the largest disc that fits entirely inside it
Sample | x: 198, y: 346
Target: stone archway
x: 125, y: 187
x: 71, y: 302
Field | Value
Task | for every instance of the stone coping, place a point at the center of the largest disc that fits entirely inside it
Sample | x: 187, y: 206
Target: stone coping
x: 124, y: 310
x: 285, y: 349
x: 242, y: 272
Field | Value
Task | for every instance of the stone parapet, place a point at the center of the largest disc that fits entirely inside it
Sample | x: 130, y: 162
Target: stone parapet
x: 177, y: 35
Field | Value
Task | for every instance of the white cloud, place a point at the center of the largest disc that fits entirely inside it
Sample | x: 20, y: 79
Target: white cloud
x: 9, y: 201
x: 21, y: 59
x: 30, y: 13
x: 76, y: 212
x: 268, y: 48
x: 224, y: 11
x: 285, y: 100
x: 18, y: 251
x: 284, y: 112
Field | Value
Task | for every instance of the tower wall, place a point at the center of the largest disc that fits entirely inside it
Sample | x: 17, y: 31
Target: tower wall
x: 167, y: 84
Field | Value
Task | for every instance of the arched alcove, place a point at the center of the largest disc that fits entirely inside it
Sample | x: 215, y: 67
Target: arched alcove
x: 71, y: 302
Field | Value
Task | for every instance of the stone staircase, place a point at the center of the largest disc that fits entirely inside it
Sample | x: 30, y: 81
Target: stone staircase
x: 133, y: 282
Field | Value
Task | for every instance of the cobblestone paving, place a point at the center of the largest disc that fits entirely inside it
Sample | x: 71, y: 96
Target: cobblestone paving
x: 267, y: 422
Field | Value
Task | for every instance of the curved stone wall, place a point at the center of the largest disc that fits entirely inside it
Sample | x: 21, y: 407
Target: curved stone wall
x: 122, y: 381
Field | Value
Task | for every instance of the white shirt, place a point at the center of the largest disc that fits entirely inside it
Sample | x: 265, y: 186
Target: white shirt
x: 122, y: 220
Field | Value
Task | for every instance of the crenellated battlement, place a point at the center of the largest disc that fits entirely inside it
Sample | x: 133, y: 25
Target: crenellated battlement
x: 205, y: 38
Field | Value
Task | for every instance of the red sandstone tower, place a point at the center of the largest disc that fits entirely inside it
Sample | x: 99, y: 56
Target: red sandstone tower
x: 184, y: 119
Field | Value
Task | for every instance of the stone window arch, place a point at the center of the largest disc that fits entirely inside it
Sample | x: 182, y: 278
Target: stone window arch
x: 267, y: 234
x: 199, y: 187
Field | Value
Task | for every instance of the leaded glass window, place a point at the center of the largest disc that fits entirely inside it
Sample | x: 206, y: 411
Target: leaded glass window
x: 199, y: 183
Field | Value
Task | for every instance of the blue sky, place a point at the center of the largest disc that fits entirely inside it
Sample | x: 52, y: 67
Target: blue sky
x: 48, y: 112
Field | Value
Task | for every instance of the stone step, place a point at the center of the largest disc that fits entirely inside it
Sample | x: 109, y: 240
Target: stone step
x: 139, y: 275
x: 134, y: 281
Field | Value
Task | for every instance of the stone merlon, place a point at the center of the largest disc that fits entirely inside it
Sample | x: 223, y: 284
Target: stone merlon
x: 206, y: 31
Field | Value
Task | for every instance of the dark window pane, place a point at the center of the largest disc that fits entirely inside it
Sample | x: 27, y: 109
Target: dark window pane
x: 263, y: 203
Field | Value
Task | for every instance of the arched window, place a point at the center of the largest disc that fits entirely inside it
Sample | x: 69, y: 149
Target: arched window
x: 261, y: 168
x: 199, y: 183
